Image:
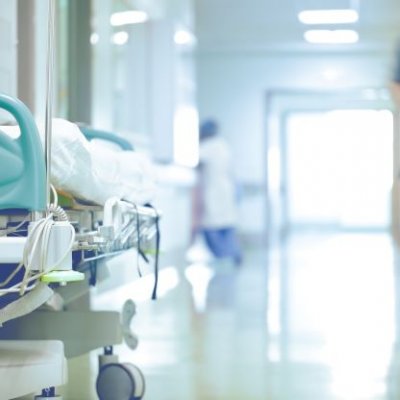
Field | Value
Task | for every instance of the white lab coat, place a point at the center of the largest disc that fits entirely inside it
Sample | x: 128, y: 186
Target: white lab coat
x: 218, y: 185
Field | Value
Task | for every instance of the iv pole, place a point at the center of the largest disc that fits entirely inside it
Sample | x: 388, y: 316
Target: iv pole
x: 49, y: 94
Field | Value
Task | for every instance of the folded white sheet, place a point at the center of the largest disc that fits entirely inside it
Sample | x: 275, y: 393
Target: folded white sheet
x: 93, y: 171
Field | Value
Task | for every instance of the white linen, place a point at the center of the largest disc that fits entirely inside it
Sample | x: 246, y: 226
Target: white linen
x: 92, y: 171
x: 219, y: 201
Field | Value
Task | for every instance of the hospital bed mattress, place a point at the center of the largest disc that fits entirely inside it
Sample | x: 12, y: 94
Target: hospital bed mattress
x: 92, y: 170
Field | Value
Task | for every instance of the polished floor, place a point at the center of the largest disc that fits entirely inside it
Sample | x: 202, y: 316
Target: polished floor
x: 314, y: 318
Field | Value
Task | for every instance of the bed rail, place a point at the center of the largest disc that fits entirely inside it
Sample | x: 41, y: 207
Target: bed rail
x: 22, y: 166
x: 91, y: 134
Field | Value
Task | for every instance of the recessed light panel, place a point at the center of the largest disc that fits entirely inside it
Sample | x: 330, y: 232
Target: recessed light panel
x: 128, y: 17
x: 325, y: 36
x: 311, y: 17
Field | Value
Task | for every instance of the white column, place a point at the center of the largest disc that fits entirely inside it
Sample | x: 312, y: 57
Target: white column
x: 162, y: 89
x: 102, y: 100
x: 8, y: 47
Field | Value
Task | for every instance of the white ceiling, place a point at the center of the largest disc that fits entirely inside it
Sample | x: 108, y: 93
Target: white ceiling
x: 273, y: 25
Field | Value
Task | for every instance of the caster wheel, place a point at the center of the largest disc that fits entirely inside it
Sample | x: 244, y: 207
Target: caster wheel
x: 128, y: 312
x: 48, y: 394
x: 120, y: 382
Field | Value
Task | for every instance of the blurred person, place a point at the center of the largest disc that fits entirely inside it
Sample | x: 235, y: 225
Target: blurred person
x: 395, y: 81
x: 215, y: 196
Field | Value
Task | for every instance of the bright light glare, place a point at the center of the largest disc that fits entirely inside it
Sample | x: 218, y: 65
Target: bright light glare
x: 311, y: 17
x: 326, y: 36
x: 94, y: 38
x: 139, y: 290
x: 128, y: 17
x: 120, y: 38
x: 353, y: 376
x: 199, y: 275
x: 315, y: 144
x: 186, y: 134
x: 198, y: 252
x: 183, y: 37
x: 331, y: 74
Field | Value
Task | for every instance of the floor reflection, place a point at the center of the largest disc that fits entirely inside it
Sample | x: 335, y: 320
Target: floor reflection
x: 338, y: 316
x: 314, y: 318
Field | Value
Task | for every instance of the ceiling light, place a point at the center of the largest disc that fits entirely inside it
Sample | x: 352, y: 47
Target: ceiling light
x: 311, y: 17
x: 120, y: 38
x: 183, y: 37
x: 325, y: 36
x: 94, y: 38
x: 128, y: 17
x: 331, y: 74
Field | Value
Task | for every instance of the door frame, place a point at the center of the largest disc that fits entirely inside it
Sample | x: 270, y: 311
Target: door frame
x: 282, y: 102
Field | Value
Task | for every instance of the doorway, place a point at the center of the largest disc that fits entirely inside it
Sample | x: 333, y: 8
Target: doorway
x: 338, y: 169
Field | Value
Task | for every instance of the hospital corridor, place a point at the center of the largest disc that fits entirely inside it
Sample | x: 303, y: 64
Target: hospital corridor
x: 199, y: 200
